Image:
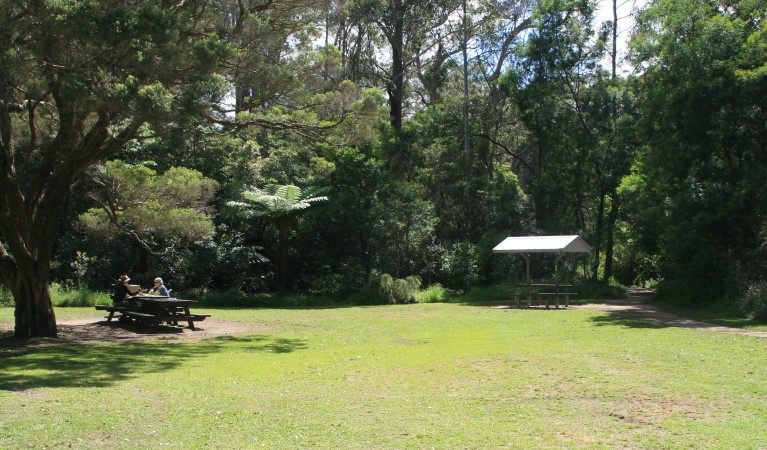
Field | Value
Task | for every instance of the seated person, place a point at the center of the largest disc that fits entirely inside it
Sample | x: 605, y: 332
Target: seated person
x: 159, y: 288
x: 122, y: 290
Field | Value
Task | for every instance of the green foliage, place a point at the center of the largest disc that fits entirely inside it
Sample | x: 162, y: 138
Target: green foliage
x: 278, y: 202
x: 79, y: 80
x: 347, y: 278
x: 135, y: 199
x: 459, y: 265
x: 753, y: 302
x: 393, y: 290
x: 599, y: 290
x: 6, y: 299
x: 552, y: 143
x: 235, y: 298
x: 81, y: 267
x: 703, y: 166
x: 436, y: 293
x: 64, y: 296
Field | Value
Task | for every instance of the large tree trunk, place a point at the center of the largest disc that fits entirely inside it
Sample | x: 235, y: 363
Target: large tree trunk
x: 25, y: 262
x: 395, y: 88
x: 34, y: 310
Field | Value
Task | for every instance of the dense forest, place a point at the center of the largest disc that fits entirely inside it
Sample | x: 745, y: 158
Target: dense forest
x: 262, y: 145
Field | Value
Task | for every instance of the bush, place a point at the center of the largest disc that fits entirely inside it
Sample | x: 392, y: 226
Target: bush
x: 66, y: 296
x: 436, y: 293
x: 388, y: 289
x: 600, y: 290
x: 235, y: 298
x: 332, y: 281
x: 6, y: 299
x: 753, y: 302
x: 228, y: 298
x: 460, y: 266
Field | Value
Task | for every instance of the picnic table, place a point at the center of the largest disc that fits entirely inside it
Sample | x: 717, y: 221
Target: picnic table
x: 545, y: 291
x: 154, y: 310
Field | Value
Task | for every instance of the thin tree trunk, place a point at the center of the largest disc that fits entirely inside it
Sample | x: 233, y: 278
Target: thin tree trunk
x: 282, y: 255
x: 598, y: 237
x: 466, y: 135
x: 612, y: 218
x: 397, y: 82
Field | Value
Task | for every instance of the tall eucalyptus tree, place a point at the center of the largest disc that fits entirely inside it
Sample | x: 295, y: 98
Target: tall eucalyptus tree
x: 411, y: 29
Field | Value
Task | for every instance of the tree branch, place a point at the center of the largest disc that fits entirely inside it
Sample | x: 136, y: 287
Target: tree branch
x: 507, y: 150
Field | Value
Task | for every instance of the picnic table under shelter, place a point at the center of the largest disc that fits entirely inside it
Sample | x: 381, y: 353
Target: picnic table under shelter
x: 559, y: 245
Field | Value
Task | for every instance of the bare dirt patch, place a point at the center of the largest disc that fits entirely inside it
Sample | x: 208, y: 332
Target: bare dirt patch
x: 89, y: 330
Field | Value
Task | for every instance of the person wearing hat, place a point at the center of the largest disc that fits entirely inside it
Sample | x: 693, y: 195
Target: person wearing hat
x: 121, y: 291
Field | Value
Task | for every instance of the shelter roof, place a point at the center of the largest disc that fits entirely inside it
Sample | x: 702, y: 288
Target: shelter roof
x: 543, y: 244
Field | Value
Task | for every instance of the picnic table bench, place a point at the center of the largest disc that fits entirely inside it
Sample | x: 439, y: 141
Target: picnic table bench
x: 532, y: 291
x: 112, y: 310
x: 154, y: 310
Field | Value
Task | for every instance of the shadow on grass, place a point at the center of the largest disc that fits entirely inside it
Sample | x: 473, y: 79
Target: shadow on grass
x: 103, y: 365
x: 622, y: 320
x: 635, y: 313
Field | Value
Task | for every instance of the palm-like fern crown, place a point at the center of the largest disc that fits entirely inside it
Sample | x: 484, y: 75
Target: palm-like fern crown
x: 280, y: 200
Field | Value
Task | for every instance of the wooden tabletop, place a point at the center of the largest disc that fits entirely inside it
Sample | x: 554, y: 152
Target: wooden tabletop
x: 163, y: 300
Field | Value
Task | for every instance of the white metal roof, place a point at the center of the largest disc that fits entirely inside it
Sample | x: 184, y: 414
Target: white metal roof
x: 543, y: 244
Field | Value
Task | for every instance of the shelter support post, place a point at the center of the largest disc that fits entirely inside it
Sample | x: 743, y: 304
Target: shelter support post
x: 527, y: 282
x: 557, y: 258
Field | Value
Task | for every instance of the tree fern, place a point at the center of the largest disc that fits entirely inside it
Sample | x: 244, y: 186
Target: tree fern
x: 278, y: 203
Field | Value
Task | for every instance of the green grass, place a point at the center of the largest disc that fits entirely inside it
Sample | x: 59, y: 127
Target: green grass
x: 407, y: 376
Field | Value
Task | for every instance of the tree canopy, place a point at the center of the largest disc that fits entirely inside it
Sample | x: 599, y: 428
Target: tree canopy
x: 136, y: 201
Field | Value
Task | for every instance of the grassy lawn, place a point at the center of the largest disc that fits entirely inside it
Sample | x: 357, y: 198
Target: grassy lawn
x: 412, y: 376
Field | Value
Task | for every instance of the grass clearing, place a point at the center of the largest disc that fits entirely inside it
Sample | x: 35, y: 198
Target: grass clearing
x: 405, y: 376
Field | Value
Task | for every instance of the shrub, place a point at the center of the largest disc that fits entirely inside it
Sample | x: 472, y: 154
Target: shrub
x: 330, y: 283
x: 460, y: 266
x: 753, y: 302
x: 229, y: 298
x: 405, y: 290
x: 436, y: 293
x: 347, y: 277
x: 387, y: 289
x: 600, y: 290
x: 68, y: 296
x: 235, y: 298
x: 6, y: 299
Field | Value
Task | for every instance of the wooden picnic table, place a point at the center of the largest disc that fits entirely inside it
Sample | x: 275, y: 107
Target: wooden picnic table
x: 533, y: 289
x: 154, y: 309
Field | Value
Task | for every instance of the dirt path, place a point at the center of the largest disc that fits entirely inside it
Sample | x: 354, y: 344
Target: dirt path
x: 636, y: 307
